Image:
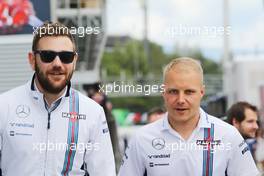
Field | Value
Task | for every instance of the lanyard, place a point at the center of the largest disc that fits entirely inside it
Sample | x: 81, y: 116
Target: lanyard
x: 73, y: 130
x: 208, y: 154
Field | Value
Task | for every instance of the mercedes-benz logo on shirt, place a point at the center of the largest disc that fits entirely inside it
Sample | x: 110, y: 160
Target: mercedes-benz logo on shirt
x: 22, y: 111
x: 158, y: 143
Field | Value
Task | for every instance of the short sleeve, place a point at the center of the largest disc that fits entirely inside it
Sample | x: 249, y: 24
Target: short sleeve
x: 101, y: 161
x: 132, y: 163
x: 241, y: 162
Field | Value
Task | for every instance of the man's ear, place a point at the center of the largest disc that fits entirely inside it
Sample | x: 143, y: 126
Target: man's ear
x: 203, y: 90
x: 75, y: 61
x: 32, y: 60
x: 163, y: 90
x: 235, y: 123
x: 74, y: 66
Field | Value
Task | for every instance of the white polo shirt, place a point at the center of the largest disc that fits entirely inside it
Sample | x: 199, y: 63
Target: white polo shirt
x: 215, y: 148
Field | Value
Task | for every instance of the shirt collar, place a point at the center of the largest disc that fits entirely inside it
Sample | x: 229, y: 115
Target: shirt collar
x: 204, y: 120
x: 202, y: 123
x: 37, y: 94
x: 165, y: 124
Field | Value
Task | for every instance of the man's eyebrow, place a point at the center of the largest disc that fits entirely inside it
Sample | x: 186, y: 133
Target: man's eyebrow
x: 190, y: 89
x: 171, y: 88
x: 250, y: 120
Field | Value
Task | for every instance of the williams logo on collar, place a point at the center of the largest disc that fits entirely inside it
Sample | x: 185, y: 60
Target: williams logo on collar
x: 158, y: 143
x: 73, y: 116
x: 22, y: 111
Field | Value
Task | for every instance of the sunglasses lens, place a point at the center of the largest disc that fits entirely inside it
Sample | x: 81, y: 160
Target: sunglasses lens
x: 66, y: 57
x: 47, y: 56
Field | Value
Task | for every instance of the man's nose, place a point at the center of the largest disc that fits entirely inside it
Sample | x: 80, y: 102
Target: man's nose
x: 181, y: 98
x: 256, y: 125
x: 57, y: 61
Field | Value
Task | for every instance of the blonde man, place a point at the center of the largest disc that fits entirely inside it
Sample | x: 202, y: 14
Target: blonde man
x: 188, y: 141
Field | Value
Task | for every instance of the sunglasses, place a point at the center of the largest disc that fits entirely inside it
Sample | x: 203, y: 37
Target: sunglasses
x: 47, y: 56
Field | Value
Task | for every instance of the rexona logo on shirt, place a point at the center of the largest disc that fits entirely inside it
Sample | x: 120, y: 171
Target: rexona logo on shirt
x: 21, y: 125
x: 73, y: 116
x: 159, y: 156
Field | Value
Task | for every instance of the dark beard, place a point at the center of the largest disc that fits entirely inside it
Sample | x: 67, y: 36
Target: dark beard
x: 246, y: 136
x: 46, y: 85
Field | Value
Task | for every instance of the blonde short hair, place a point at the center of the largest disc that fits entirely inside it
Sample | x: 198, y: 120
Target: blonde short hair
x: 185, y: 62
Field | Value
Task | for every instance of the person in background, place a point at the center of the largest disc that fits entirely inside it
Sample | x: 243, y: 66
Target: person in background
x: 244, y: 116
x: 259, y: 153
x: 93, y: 92
x: 155, y: 114
x: 0, y: 164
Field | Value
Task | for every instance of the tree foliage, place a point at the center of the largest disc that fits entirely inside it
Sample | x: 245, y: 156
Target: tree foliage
x: 130, y: 58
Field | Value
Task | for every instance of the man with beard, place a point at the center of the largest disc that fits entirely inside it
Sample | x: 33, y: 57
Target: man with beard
x: 47, y: 127
x: 187, y: 141
x: 244, y: 116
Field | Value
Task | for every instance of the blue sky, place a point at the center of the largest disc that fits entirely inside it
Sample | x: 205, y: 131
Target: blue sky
x: 191, y: 24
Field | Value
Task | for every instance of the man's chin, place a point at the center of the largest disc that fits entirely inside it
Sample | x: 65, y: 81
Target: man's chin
x: 180, y: 118
x: 249, y: 136
x: 252, y: 136
x: 55, y: 88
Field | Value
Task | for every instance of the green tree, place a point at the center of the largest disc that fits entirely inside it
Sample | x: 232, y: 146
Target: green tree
x: 131, y: 59
x: 209, y: 65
